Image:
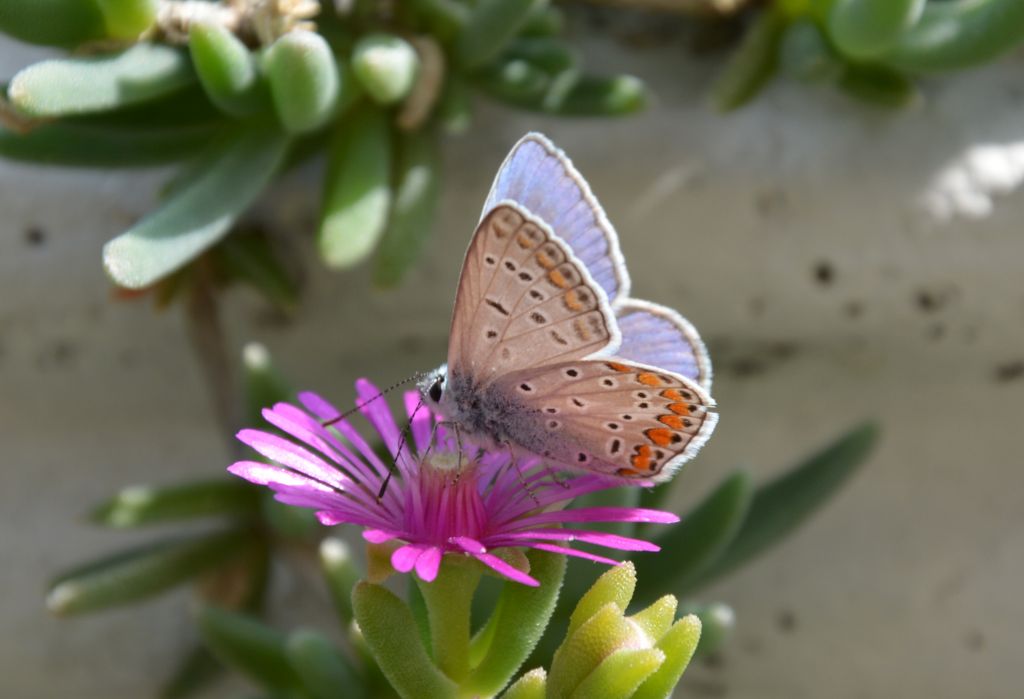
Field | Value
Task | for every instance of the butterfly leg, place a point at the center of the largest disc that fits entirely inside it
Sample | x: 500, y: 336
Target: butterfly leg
x: 402, y: 440
x: 514, y: 464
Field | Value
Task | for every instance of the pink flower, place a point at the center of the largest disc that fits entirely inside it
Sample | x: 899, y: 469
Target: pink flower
x: 437, y: 502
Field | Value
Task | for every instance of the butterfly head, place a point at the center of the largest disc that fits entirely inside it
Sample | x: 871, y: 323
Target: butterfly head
x: 432, y: 386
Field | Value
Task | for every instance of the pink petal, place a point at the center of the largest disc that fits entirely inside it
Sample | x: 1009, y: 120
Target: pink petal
x: 468, y: 545
x: 378, y: 536
x: 293, y: 456
x: 326, y: 412
x: 404, y: 558
x: 375, y: 408
x: 428, y: 563
x: 509, y: 571
x: 577, y: 553
x: 265, y: 474
x: 600, y: 514
x: 420, y: 420
x: 612, y: 541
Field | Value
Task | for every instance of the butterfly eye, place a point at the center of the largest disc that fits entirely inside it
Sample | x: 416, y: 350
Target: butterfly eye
x: 435, y: 390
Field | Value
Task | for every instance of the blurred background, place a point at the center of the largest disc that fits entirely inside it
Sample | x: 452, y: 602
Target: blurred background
x: 844, y: 263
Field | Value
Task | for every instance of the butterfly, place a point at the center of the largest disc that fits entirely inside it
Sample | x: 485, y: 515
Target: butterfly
x: 547, y: 353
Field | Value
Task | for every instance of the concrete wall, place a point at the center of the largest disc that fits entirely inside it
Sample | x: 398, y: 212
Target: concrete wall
x: 798, y: 235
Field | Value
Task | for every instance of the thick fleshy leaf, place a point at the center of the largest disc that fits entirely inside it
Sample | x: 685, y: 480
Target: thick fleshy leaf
x: 877, y: 85
x: 955, y: 35
x: 620, y: 674
x: 697, y: 541
x: 866, y: 28
x: 753, y: 63
x: 515, y: 81
x: 717, y: 622
x: 357, y: 189
x: 532, y: 685
x: 618, y: 95
x: 187, y: 107
x: 805, y: 53
x: 323, y: 672
x: 492, y: 24
x: 545, y: 20
x: 678, y: 645
x: 226, y: 69
x: 386, y: 625
x: 305, y: 81
x: 550, y: 54
x: 73, y: 145
x: 448, y: 599
x: 655, y: 619
x: 781, y: 505
x: 415, y: 204
x: 341, y: 572
x: 386, y: 66
x: 197, y: 215
x: 249, y: 646
x: 82, y: 85
x: 516, y: 625
x: 197, y: 670
x: 52, y: 22
x: 614, y: 586
x: 127, y: 19
x: 141, y: 572
x: 141, y: 505
x: 599, y: 636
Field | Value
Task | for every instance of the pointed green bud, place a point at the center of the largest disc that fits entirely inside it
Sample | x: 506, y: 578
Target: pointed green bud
x: 305, y: 81
x: 532, y: 685
x: 127, y: 19
x: 386, y: 66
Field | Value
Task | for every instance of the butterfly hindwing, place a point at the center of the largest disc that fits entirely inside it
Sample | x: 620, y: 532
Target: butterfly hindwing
x: 658, y: 336
x: 610, y: 416
x: 540, y: 177
x: 523, y: 300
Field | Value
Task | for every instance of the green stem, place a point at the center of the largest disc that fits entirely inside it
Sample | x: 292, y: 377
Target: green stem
x: 449, y: 599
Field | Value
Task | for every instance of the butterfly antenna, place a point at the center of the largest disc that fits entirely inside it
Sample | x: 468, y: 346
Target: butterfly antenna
x: 359, y: 406
x: 406, y: 433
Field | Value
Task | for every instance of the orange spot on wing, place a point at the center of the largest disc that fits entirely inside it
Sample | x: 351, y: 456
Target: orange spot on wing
x: 544, y: 260
x: 523, y: 241
x: 671, y: 394
x: 662, y: 436
x: 673, y: 421
x: 616, y: 366
x: 581, y: 330
x: 679, y: 408
x: 627, y: 473
x: 558, y: 279
x: 572, y: 301
x: 648, y: 379
x: 641, y: 460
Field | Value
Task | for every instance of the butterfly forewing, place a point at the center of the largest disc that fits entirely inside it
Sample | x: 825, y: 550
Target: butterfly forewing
x: 610, y: 416
x: 524, y: 300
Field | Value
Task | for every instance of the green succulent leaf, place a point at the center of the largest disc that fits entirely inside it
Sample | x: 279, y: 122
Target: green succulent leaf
x: 305, y: 80
x: 603, y: 632
x: 615, y: 586
x: 516, y: 624
x: 692, y: 545
x: 491, y: 26
x: 248, y: 645
x: 618, y: 95
x: 197, y: 670
x: 532, y: 685
x: 141, y: 572
x: 655, y: 619
x: 127, y: 19
x: 386, y: 624
x: 545, y: 20
x: 448, y: 599
x: 357, y: 189
x: 866, y: 28
x: 717, y: 621
x: 73, y: 145
x: 415, y: 204
x: 323, y: 672
x: 187, y: 107
x: 805, y: 53
x: 199, y: 214
x: 82, y: 85
x: 226, y: 68
x: 620, y: 674
x: 142, y: 505
x: 753, y: 64
x: 877, y: 85
x: 52, y: 22
x: 547, y: 53
x: 958, y: 34
x: 678, y: 644
x: 386, y: 66
x: 516, y: 82
x: 780, y: 506
x: 444, y: 18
